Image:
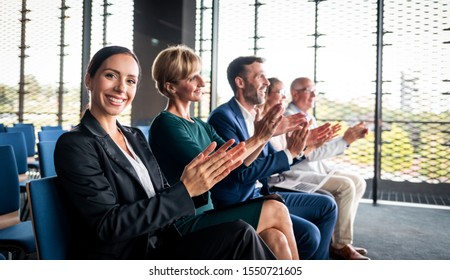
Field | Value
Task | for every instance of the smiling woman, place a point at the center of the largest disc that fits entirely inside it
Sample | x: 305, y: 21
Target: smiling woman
x: 112, y: 87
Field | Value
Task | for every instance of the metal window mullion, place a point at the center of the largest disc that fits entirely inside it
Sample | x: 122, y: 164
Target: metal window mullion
x: 316, y: 46
x: 105, y: 21
x: 22, y: 47
x: 200, y: 51
x: 201, y: 41
x: 86, y: 51
x: 214, y: 54
x: 62, y: 46
x: 255, y: 30
x: 378, y: 100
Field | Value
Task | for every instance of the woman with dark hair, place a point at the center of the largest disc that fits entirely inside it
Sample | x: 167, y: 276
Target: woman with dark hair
x: 120, y: 203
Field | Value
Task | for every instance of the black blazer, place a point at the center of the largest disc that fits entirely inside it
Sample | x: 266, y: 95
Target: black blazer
x: 111, y: 213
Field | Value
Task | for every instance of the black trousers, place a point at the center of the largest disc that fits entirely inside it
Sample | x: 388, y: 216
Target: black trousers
x: 227, y: 241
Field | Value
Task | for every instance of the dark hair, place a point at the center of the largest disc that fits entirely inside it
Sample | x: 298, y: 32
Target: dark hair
x: 106, y: 52
x: 272, y: 81
x: 237, y: 68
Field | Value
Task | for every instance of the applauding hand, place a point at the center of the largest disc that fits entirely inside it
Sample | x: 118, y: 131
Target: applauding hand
x: 265, y: 126
x: 209, y: 167
x: 356, y: 132
x: 291, y: 123
x: 296, y: 140
x: 318, y: 134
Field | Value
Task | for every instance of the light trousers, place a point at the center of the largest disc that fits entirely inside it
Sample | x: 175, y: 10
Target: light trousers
x: 347, y: 189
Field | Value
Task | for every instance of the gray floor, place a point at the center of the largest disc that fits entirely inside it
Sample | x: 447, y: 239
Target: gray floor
x: 403, y: 231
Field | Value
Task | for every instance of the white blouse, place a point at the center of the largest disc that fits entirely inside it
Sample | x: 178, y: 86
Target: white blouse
x: 140, y: 168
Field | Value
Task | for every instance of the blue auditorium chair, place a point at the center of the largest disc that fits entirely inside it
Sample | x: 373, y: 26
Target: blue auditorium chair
x: 50, y: 219
x: 16, y: 236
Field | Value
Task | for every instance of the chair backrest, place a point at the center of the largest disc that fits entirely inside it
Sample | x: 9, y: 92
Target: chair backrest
x: 51, y: 127
x: 9, y: 187
x: 23, y: 124
x: 145, y: 129
x: 2, y: 128
x: 46, y: 150
x: 50, y: 135
x: 30, y: 137
x: 50, y: 219
x: 17, y: 141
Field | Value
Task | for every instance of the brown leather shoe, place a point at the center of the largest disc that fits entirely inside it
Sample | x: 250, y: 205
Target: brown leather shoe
x: 346, y: 253
x: 360, y: 250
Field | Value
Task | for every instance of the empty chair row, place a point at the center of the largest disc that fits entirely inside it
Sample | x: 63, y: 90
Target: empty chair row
x: 16, y: 237
x: 48, y: 133
x: 30, y: 138
x: 16, y: 140
x: 44, y: 127
x: 18, y: 143
x: 48, y: 233
x: 27, y: 169
x: 45, y: 154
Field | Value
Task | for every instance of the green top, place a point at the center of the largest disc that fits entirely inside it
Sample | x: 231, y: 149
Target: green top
x: 175, y: 142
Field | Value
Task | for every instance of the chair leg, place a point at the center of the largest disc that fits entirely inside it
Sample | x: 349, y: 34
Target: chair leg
x: 24, y: 211
x: 15, y: 253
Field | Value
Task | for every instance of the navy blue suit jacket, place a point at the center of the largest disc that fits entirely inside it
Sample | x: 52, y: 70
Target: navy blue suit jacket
x: 229, y: 123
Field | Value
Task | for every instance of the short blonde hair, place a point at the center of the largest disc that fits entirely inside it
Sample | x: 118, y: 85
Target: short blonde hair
x: 173, y: 64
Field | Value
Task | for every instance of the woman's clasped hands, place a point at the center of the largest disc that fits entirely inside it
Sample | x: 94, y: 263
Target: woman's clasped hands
x: 210, y: 166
